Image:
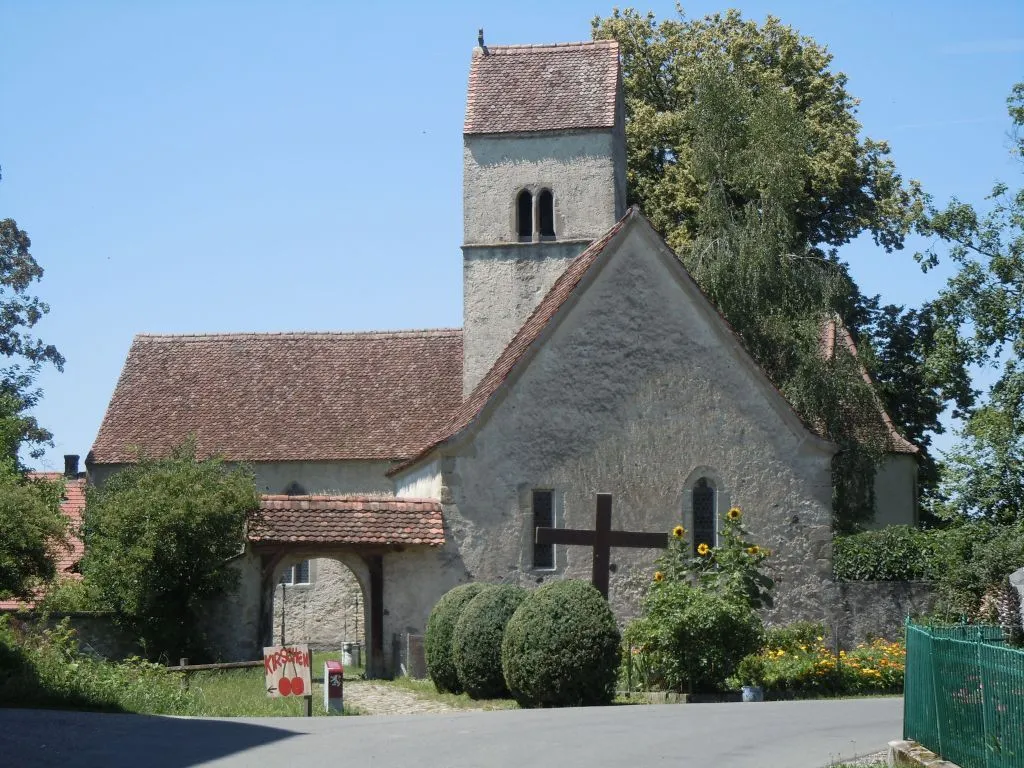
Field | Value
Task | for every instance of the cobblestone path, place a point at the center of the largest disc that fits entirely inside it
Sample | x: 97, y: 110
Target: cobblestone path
x: 379, y: 699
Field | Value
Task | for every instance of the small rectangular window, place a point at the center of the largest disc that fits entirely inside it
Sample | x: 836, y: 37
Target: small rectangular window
x: 543, y: 517
x: 296, y: 574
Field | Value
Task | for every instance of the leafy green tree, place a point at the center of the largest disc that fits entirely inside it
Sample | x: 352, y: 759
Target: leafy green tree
x: 846, y: 185
x: 32, y: 527
x: 19, y: 312
x: 158, y: 536
x: 980, y: 314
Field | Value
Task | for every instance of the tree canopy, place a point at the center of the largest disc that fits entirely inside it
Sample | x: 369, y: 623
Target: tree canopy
x: 980, y: 316
x: 158, y: 535
x: 842, y: 185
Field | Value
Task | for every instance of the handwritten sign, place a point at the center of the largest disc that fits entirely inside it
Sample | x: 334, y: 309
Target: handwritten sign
x: 287, y: 669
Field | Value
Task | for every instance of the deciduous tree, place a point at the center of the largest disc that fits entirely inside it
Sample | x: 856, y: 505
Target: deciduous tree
x: 158, y: 535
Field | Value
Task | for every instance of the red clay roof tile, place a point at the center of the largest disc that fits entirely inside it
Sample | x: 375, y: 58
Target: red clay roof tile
x: 347, y: 520
x: 522, y: 88
x: 283, y: 396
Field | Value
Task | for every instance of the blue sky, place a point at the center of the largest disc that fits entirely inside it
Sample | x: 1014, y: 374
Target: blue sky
x: 229, y: 166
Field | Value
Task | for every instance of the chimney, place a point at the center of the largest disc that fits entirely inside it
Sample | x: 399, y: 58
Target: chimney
x: 70, y: 465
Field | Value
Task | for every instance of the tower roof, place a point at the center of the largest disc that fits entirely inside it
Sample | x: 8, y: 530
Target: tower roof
x: 521, y: 88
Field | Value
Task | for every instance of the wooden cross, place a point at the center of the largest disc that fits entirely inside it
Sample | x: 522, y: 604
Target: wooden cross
x: 602, y: 539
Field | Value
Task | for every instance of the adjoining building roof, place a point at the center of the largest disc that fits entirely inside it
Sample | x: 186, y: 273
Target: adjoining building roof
x: 835, y: 334
x: 347, y: 520
x: 283, y: 396
x: 522, y: 88
x: 67, y: 558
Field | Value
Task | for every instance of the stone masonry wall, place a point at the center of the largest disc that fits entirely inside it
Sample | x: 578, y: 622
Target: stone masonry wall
x: 326, y: 613
x: 636, y: 392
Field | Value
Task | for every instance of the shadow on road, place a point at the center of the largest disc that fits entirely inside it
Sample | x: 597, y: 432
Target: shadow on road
x: 71, y: 739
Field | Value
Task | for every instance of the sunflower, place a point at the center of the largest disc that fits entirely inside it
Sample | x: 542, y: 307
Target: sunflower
x: 734, y: 514
x: 703, y: 549
x: 754, y: 550
x: 659, y: 576
x: 678, y: 532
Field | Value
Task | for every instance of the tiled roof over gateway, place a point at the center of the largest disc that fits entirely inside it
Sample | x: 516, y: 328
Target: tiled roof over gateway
x: 284, y: 396
x: 347, y: 520
x: 521, y: 88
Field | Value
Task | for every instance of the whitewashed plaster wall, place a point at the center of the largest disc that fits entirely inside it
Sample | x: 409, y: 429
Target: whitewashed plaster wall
x: 895, y: 491
x: 340, y: 477
x: 636, y: 389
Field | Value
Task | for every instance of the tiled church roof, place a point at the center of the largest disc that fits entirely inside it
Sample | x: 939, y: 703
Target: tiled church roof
x: 518, y: 88
x: 834, y: 333
x: 347, y: 520
x: 72, y: 506
x: 284, y: 396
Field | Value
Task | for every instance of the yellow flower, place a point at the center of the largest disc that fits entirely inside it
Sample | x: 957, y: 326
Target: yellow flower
x: 659, y: 576
x: 753, y: 550
x: 734, y: 513
x: 678, y: 532
x: 703, y: 549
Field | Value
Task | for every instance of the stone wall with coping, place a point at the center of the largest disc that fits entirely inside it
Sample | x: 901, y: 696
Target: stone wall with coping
x: 866, y: 609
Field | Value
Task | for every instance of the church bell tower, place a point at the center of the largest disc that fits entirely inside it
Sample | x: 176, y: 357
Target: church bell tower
x: 544, y: 174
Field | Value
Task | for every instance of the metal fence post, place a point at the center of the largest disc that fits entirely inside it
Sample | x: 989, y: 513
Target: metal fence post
x: 935, y: 694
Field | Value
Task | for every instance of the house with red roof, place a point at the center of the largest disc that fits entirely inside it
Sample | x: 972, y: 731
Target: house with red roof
x: 72, y: 505
x: 589, y: 361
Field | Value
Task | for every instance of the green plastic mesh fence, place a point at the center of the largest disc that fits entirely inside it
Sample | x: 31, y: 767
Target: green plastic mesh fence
x: 964, y: 695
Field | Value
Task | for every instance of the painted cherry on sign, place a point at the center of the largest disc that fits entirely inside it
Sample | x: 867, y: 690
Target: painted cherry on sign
x: 284, y: 686
x: 297, y: 685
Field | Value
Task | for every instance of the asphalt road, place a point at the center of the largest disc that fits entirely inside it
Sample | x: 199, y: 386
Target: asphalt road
x: 801, y: 734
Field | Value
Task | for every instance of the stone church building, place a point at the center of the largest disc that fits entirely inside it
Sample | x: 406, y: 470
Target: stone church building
x: 589, y: 361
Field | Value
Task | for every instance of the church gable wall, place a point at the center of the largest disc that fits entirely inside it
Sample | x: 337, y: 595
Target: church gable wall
x: 632, y: 392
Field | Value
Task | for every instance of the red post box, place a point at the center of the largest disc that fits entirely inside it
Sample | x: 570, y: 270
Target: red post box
x: 334, y: 686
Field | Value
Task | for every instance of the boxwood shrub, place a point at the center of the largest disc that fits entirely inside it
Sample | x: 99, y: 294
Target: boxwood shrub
x: 437, y: 644
x: 476, y: 643
x: 561, y: 647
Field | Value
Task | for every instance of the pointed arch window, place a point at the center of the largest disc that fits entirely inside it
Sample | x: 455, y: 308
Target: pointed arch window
x: 546, y: 213
x: 705, y: 517
x: 524, y: 216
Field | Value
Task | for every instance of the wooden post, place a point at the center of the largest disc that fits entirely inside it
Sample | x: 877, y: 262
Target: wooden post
x: 375, y: 662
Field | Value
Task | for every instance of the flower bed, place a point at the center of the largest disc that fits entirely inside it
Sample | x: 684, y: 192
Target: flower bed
x: 812, y: 669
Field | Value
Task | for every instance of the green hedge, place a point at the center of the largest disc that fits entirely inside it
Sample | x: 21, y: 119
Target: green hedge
x: 561, y: 648
x: 897, y: 553
x: 476, y: 644
x: 437, y: 644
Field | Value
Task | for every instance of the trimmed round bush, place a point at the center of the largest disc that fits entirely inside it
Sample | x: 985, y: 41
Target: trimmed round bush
x: 476, y: 643
x: 437, y: 644
x: 561, y: 648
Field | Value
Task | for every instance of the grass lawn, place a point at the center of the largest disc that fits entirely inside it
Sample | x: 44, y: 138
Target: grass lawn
x: 242, y: 692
